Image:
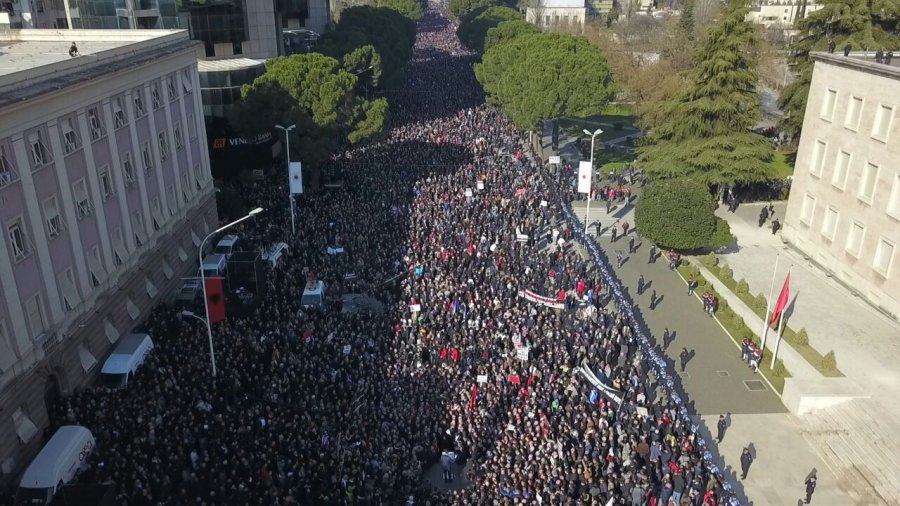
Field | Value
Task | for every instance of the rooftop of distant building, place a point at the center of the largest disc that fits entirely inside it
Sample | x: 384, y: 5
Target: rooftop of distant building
x: 36, y: 61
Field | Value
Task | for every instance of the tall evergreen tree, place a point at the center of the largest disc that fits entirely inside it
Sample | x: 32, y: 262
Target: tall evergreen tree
x: 864, y: 24
x: 686, y: 21
x: 704, y: 132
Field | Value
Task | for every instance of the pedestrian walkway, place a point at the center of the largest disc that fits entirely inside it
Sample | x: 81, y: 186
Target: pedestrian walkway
x: 717, y: 381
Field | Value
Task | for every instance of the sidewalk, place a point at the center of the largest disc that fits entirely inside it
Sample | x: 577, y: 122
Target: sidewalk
x: 715, y: 381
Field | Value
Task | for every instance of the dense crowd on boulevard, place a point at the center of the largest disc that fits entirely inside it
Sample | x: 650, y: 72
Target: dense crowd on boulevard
x: 294, y: 416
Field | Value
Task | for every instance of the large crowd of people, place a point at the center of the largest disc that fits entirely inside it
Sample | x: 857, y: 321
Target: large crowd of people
x: 452, y: 216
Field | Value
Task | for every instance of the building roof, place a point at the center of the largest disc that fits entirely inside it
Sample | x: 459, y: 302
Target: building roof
x: 228, y: 64
x: 863, y: 61
x: 33, y: 62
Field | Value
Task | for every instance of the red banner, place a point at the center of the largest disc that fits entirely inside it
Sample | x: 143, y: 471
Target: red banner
x: 782, y: 301
x: 473, y: 397
x: 215, y: 300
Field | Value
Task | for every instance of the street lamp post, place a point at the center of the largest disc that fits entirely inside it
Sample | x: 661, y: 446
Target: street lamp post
x: 587, y: 213
x: 287, y: 140
x: 212, y: 357
x: 370, y: 67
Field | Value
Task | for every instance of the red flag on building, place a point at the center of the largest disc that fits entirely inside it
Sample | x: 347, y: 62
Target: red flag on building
x: 782, y: 301
x: 473, y: 397
x: 215, y: 300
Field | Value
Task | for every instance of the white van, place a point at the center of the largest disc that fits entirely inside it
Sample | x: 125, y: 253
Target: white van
x: 129, y: 354
x: 56, y: 464
x: 272, y: 255
x: 226, y: 245
x: 215, y: 265
x: 314, y: 295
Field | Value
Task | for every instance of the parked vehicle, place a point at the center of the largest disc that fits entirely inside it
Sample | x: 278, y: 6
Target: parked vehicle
x: 56, y: 464
x: 227, y: 245
x: 273, y: 254
x: 125, y: 360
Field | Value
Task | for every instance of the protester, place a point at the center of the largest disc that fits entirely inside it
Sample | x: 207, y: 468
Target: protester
x: 324, y: 407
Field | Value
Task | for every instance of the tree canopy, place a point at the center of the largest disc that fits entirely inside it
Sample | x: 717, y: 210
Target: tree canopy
x: 704, y: 132
x: 677, y: 213
x: 506, y: 31
x: 864, y: 24
x: 546, y: 75
x: 474, y: 25
x: 411, y: 9
x: 315, y: 93
x: 459, y: 7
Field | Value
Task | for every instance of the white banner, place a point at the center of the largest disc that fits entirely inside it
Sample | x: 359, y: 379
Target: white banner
x: 415, y: 308
x: 482, y: 378
x: 468, y: 192
x: 480, y: 185
x: 522, y: 353
x: 555, y: 159
x: 547, y: 301
x: 584, y: 177
x: 608, y: 391
x: 296, y: 177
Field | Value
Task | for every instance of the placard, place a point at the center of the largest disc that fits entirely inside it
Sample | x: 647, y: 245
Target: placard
x: 555, y: 159
x: 480, y: 185
x: 522, y: 353
x: 543, y: 203
x: 468, y: 192
x: 347, y: 349
x: 482, y: 378
x: 415, y: 308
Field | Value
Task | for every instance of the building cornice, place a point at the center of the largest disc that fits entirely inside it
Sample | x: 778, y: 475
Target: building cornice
x: 850, y: 62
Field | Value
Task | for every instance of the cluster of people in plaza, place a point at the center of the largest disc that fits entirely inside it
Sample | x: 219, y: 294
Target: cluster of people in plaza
x: 446, y: 222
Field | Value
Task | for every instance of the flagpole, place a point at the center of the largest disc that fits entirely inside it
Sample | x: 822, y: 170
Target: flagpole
x: 765, y: 332
x: 780, y: 327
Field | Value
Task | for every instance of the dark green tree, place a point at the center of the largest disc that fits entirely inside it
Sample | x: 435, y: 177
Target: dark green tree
x: 411, y: 9
x: 704, y: 132
x: 686, y: 21
x: 546, y: 75
x: 677, y: 213
x: 507, y: 31
x: 459, y: 7
x: 474, y: 25
x: 864, y: 24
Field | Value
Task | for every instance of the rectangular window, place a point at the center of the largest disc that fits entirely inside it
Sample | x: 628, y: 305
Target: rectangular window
x: 7, y: 173
x: 156, y: 213
x: 186, y: 187
x: 855, y: 239
x: 146, y: 157
x: 197, y: 178
x: 18, y: 241
x: 809, y: 207
x: 106, y: 184
x: 39, y: 153
x: 137, y: 226
x: 112, y: 333
x: 128, y: 169
x: 83, y: 206
x: 854, y: 111
x: 883, y: 119
x: 179, y: 139
x: 69, y: 292
x: 818, y: 157
x: 34, y: 311
x: 868, y: 182
x: 163, y: 145
x: 119, y: 251
x: 96, y: 125
x: 827, y: 111
x: 192, y: 127
x: 173, y: 91
x: 152, y: 292
x: 51, y: 215
x: 172, y: 201
x: 139, y: 110
x: 167, y: 269
x: 829, y: 226
x: 186, y: 82
x: 98, y: 273
x: 155, y: 96
x: 893, y: 207
x: 70, y: 138
x: 841, y: 168
x: 120, y: 119
x: 132, y: 309
x: 884, y: 257
x: 25, y: 428
x: 182, y: 255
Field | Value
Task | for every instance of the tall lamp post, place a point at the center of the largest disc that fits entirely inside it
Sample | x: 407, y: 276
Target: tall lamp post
x: 212, y: 357
x: 287, y: 140
x: 587, y: 213
x: 370, y: 67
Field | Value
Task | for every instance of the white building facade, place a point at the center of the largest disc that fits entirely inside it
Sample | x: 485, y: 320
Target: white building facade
x: 105, y: 191
x: 844, y: 208
x: 564, y: 15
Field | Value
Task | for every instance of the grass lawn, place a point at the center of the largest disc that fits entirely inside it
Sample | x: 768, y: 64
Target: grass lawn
x: 736, y: 328
x: 800, y: 343
x: 782, y: 168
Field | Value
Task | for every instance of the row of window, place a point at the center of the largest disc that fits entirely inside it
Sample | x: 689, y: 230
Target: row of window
x: 843, y: 165
x: 20, y: 245
x: 881, y: 126
x: 855, y: 239
x: 35, y: 314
